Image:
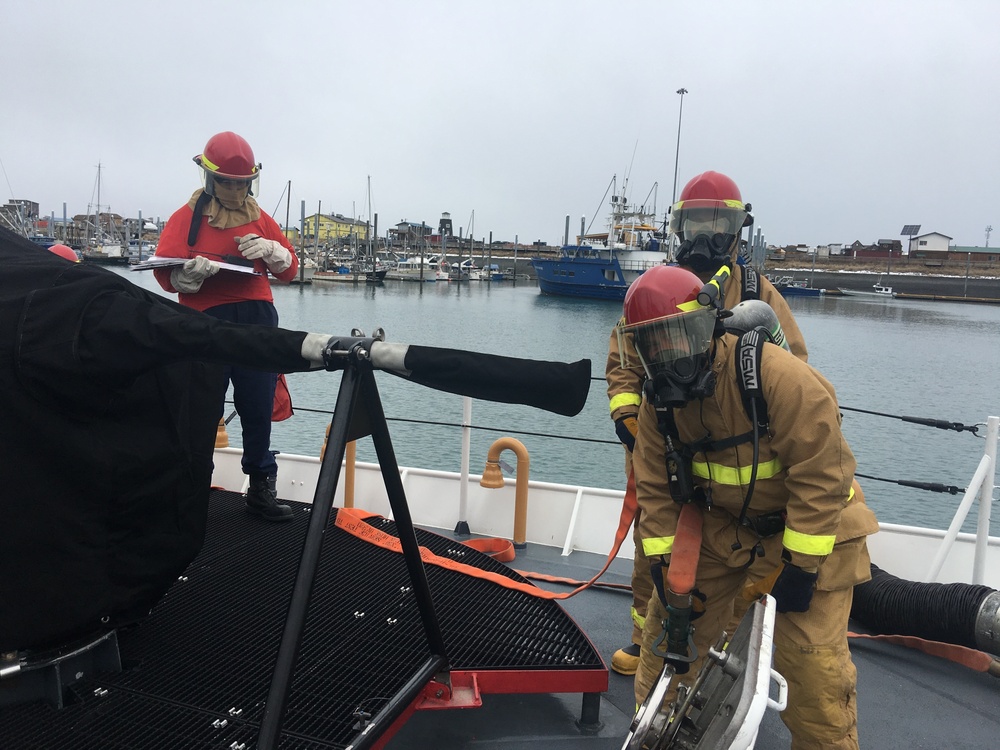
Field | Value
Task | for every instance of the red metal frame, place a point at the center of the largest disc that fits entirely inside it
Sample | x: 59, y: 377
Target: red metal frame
x: 467, y: 687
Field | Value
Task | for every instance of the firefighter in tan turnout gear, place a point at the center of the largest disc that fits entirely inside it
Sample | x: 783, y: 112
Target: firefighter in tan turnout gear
x: 707, y: 221
x: 777, y: 501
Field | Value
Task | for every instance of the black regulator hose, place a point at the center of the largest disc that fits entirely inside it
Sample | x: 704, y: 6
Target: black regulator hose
x: 959, y: 613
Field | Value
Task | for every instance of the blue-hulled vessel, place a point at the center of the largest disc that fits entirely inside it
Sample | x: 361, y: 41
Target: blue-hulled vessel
x: 602, y: 265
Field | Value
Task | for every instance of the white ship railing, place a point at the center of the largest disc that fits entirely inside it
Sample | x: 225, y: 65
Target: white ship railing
x: 577, y: 518
x: 981, y: 486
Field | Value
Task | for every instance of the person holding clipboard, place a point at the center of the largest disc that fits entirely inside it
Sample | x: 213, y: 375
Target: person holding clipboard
x: 222, y: 225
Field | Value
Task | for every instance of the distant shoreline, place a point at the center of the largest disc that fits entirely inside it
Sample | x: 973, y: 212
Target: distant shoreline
x: 909, y: 282
x: 908, y: 277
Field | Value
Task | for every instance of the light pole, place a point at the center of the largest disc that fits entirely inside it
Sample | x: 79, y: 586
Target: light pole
x: 677, y: 154
x: 968, y: 259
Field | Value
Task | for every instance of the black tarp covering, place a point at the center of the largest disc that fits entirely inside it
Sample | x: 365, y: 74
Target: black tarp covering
x: 108, y: 416
x: 554, y: 386
x: 108, y: 425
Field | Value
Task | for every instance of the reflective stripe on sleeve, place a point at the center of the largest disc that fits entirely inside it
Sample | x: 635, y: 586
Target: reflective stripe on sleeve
x: 808, y: 544
x: 624, y: 399
x: 735, y: 476
x: 658, y: 545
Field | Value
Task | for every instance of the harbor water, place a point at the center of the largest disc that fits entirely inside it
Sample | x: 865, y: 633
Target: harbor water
x: 927, y: 359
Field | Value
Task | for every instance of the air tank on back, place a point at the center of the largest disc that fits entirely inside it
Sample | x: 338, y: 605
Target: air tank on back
x: 755, y: 313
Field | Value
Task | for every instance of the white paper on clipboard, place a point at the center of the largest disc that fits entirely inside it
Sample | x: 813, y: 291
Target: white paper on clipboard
x: 156, y: 262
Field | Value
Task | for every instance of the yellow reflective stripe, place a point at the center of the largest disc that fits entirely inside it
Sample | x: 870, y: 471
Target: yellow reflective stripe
x: 624, y: 399
x: 735, y: 476
x: 808, y: 544
x: 730, y: 203
x: 850, y: 495
x: 689, y: 306
x: 639, y: 620
x: 659, y: 545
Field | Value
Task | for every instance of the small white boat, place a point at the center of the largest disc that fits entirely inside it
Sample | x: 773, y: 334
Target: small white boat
x: 882, y: 289
x: 466, y: 270
x: 878, y: 290
x: 415, y: 268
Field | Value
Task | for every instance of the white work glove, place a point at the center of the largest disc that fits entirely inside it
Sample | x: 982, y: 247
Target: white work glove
x: 272, y: 252
x: 189, y: 277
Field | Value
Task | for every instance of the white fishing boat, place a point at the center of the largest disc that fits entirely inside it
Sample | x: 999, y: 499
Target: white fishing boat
x: 416, y: 268
x: 882, y: 289
x: 878, y: 290
x: 465, y: 270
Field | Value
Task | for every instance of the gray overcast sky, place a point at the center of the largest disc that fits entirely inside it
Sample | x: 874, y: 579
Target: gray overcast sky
x: 838, y: 119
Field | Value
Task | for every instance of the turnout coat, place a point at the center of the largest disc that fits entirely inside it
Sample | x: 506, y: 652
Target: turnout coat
x: 805, y: 468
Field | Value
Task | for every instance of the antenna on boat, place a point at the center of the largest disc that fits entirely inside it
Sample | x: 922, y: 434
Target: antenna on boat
x: 611, y: 187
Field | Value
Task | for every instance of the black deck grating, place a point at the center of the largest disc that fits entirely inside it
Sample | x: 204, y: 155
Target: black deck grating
x: 196, y: 672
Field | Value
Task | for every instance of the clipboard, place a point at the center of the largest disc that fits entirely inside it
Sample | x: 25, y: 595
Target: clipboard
x: 156, y: 262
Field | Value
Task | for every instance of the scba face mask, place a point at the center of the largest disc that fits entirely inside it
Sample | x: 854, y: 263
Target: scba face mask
x: 705, y: 253
x: 685, y: 380
x: 675, y: 353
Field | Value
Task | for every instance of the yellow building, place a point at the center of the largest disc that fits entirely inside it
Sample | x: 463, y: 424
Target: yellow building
x: 334, y: 228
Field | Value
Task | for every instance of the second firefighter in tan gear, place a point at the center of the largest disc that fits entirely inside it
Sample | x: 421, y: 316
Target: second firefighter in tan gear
x: 804, y: 474
x: 625, y: 383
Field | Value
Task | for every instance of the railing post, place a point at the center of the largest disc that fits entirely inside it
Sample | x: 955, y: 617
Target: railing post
x: 462, y: 527
x: 978, y: 480
x: 986, y: 500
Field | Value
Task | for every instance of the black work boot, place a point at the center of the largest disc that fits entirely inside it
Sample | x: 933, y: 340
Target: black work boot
x: 263, y: 501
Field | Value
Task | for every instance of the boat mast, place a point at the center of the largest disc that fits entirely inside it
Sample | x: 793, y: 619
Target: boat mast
x: 99, y: 235
x: 368, y: 227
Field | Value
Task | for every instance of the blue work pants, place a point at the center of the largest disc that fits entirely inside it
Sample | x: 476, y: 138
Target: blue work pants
x: 253, y: 390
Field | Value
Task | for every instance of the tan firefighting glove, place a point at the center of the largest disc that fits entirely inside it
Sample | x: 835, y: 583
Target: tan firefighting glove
x: 272, y: 252
x: 790, y: 585
x: 627, y: 427
x: 189, y: 277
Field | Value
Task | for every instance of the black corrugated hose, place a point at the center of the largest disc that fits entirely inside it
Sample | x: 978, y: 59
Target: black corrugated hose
x: 943, y: 612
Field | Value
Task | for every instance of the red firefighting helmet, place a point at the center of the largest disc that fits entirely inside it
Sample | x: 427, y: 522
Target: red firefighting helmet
x: 659, y: 292
x: 664, y: 317
x: 228, y: 155
x: 710, y: 203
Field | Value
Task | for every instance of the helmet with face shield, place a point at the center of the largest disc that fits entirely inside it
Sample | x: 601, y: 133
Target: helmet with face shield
x: 672, y: 334
x: 708, y: 220
x: 228, y: 167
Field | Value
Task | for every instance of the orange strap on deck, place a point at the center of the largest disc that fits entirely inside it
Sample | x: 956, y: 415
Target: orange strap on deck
x: 979, y: 661
x: 352, y: 520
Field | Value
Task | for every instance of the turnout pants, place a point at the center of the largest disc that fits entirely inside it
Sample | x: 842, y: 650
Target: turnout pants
x: 810, y: 648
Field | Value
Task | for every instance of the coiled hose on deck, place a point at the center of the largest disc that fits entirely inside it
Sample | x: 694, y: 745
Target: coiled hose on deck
x: 959, y: 613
